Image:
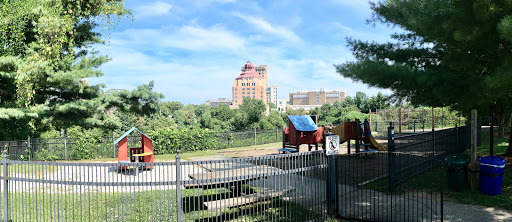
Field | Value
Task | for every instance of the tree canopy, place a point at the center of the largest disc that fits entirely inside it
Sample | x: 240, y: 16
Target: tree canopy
x: 45, y: 60
x: 451, y: 53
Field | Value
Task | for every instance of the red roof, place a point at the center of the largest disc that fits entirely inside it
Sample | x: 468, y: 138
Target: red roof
x: 249, y: 71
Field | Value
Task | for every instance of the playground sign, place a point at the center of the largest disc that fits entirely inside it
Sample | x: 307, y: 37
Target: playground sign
x: 333, y: 145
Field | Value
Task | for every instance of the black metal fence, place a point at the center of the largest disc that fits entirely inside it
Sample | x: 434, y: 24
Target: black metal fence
x: 365, y: 189
x: 50, y: 149
x: 401, y: 184
x: 288, y: 187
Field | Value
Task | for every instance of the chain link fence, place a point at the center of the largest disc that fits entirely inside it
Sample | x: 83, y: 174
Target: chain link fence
x: 50, y: 149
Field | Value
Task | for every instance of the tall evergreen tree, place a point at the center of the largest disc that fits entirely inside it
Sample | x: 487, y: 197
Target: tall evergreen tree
x: 456, y: 53
x: 45, y: 60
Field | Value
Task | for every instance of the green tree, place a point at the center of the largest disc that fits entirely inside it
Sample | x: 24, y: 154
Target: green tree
x: 223, y: 113
x: 254, y: 108
x: 45, y: 60
x: 168, y: 108
x: 455, y: 53
x: 271, y: 106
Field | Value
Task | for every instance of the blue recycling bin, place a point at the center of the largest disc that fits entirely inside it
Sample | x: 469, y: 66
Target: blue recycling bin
x: 491, y: 174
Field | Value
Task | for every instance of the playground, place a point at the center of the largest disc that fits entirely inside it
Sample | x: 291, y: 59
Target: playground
x: 249, y: 182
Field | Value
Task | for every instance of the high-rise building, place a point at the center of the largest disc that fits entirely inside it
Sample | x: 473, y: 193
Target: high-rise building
x: 250, y: 84
x: 309, y: 99
x: 261, y: 70
x: 272, y: 94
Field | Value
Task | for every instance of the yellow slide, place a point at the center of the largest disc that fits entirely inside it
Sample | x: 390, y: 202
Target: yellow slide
x: 376, y: 146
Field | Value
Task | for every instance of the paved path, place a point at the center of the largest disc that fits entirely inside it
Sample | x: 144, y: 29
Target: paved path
x: 463, y: 212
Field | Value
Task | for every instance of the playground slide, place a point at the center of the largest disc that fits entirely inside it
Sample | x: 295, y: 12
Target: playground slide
x: 376, y: 146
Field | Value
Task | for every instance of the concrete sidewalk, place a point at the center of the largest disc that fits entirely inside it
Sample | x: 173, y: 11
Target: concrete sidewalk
x: 463, y: 212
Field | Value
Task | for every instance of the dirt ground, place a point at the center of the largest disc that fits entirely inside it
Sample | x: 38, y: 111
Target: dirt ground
x: 273, y: 150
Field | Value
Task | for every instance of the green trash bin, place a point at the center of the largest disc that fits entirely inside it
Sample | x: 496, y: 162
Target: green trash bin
x: 457, y: 167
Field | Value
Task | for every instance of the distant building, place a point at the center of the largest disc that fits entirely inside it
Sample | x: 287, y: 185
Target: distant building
x: 304, y: 107
x: 261, y: 70
x: 216, y: 103
x: 316, y: 98
x: 272, y: 94
x: 282, y: 104
x: 250, y: 84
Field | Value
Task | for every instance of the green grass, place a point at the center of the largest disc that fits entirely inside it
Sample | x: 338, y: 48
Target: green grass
x: 156, y: 205
x: 29, y: 169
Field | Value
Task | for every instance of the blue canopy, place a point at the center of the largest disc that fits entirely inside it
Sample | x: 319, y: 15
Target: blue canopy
x: 303, y: 123
x: 128, y: 132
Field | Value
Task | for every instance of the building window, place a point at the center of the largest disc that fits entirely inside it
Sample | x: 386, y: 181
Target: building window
x: 253, y: 88
x: 243, y: 92
x: 253, y: 92
x: 235, y: 89
x: 253, y: 97
x: 243, y: 88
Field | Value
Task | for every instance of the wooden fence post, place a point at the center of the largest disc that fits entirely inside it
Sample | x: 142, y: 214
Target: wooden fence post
x: 472, y: 164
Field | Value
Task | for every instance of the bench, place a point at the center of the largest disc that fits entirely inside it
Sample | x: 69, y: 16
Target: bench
x: 284, y: 150
x: 265, y: 194
x: 228, y: 178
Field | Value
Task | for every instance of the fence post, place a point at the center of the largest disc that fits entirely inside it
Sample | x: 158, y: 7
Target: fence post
x: 433, y: 143
x: 391, y: 157
x: 29, y: 149
x: 254, y: 136
x: 358, y: 130
x: 229, y: 133
x: 457, y: 144
x: 65, y: 147
x: 332, y: 194
x: 414, y: 126
x: 178, y: 185
x: 399, y: 121
x: 6, y: 189
x: 113, y: 146
x: 277, y: 132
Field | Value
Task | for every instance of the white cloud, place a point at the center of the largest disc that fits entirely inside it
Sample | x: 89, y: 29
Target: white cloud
x: 269, y: 28
x: 157, y: 8
x: 214, y: 38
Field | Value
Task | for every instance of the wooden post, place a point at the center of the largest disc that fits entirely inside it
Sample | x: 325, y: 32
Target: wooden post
x: 472, y: 163
x: 370, y: 117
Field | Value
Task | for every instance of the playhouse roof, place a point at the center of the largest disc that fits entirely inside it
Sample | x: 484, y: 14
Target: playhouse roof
x: 128, y: 133
x: 303, y: 123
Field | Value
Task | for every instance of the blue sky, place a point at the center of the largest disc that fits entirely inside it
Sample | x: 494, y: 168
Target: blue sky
x: 194, y: 49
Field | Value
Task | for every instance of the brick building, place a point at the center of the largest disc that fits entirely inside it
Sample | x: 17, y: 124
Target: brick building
x: 250, y: 83
x: 316, y: 98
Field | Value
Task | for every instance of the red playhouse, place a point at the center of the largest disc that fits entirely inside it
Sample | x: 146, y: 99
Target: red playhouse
x: 301, y: 130
x: 137, y: 154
